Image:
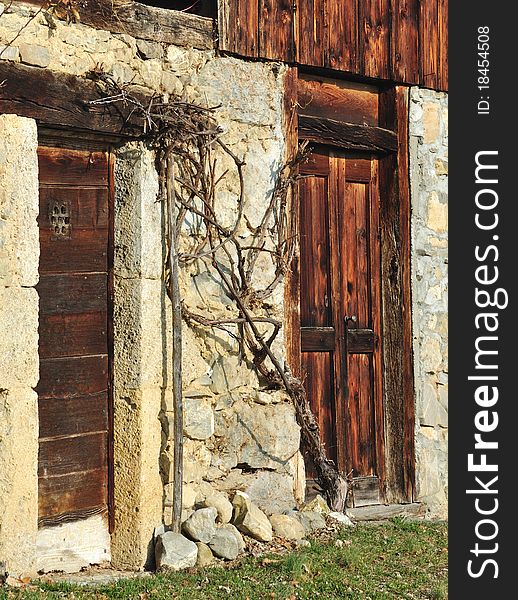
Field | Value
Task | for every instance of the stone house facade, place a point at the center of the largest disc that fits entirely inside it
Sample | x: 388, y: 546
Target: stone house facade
x: 239, y: 434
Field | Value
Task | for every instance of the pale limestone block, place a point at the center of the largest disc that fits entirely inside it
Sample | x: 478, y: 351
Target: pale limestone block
x: 19, y: 201
x: 441, y: 167
x: 19, y: 361
x: 431, y: 354
x: 139, y: 242
x: 151, y: 73
x: 431, y: 122
x: 149, y: 49
x: 198, y: 418
x: 138, y: 487
x: 34, y: 55
x: 437, y: 217
x: 430, y: 411
x: 18, y: 495
x: 11, y: 53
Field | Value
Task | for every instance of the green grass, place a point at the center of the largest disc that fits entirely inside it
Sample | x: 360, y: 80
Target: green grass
x: 399, y: 559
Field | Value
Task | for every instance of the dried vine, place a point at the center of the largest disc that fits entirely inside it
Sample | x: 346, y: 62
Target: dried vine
x: 188, y: 144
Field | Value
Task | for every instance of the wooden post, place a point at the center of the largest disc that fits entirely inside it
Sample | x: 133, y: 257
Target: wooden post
x: 176, y: 308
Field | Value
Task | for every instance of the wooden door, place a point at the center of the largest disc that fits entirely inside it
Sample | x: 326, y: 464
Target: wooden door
x: 74, y: 386
x: 340, y: 312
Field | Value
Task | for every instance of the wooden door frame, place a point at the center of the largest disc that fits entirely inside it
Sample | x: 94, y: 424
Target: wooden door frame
x: 398, y: 468
x: 80, y: 140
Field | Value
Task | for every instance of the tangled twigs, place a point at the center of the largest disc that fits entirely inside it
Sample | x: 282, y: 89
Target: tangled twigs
x: 187, y: 141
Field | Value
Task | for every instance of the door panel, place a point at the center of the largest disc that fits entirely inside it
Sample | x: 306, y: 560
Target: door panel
x: 340, y: 320
x: 74, y: 386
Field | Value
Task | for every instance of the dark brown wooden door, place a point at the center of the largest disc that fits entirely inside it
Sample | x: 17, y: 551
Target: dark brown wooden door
x: 73, y: 391
x: 340, y: 312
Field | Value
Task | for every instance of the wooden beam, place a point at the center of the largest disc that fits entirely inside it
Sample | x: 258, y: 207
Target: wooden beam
x: 61, y: 100
x: 396, y: 302
x: 347, y: 135
x: 382, y: 512
x: 146, y: 22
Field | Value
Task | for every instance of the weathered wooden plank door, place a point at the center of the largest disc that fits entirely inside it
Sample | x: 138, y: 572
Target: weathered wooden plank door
x: 340, y: 312
x: 74, y: 386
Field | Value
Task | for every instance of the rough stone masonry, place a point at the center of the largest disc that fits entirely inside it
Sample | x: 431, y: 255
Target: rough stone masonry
x: 238, y: 435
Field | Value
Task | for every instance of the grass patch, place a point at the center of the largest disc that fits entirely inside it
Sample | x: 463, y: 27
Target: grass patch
x: 399, y: 559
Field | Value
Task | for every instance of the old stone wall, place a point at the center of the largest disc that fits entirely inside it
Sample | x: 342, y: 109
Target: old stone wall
x: 19, y: 370
x: 429, y: 192
x: 237, y: 434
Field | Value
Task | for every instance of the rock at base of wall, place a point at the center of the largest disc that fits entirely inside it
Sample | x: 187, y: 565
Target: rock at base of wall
x: 318, y: 504
x: 309, y: 519
x: 201, y: 525
x: 251, y: 520
x: 222, y: 504
x: 174, y: 551
x: 205, y: 556
x: 224, y: 544
x: 287, y: 527
x: 341, y: 518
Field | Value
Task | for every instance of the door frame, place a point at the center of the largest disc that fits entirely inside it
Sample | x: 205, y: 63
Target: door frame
x: 389, y: 142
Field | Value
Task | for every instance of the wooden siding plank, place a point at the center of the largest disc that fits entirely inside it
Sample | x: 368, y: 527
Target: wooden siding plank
x: 374, y: 27
x: 240, y: 34
x: 343, y: 49
x: 72, y: 293
x: 66, y: 377
x: 376, y: 312
x: 396, y: 302
x: 442, y: 83
x: 429, y: 43
x: 276, y: 30
x: 342, y: 101
x: 73, y: 335
x: 401, y: 99
x: 74, y: 454
x: 64, y: 166
x: 312, y: 26
x: 315, y: 296
x: 317, y: 369
x: 405, y: 41
x: 84, y: 414
x: 75, y: 495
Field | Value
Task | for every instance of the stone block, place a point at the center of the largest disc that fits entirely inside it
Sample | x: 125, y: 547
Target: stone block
x: 287, y: 527
x: 201, y: 525
x: 150, y: 49
x: 221, y: 503
x: 18, y: 494
x: 175, y: 552
x: 19, y: 201
x: 249, y: 519
x: 437, y: 217
x: 430, y: 411
x: 224, y: 544
x: 198, y: 418
x: 11, y: 53
x: 37, y: 56
x: 271, y: 491
x: 431, y: 122
x: 19, y: 359
x: 205, y: 556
